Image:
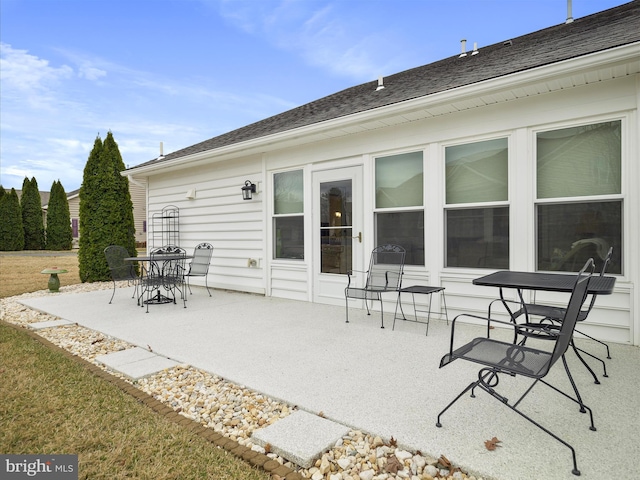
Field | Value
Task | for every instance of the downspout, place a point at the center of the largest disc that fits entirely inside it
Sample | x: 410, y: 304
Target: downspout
x: 135, y: 182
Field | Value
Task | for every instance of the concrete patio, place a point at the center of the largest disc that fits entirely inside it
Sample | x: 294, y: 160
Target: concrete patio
x: 381, y: 381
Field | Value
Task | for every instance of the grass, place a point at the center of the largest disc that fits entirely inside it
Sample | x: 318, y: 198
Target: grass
x: 20, y: 271
x: 51, y: 404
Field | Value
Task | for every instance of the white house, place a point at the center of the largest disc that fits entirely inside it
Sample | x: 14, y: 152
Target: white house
x: 521, y: 155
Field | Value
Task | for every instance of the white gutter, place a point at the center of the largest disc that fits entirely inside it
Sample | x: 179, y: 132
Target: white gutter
x: 596, y: 60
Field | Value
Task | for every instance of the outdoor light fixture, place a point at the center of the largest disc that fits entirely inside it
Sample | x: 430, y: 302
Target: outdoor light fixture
x: 248, y: 189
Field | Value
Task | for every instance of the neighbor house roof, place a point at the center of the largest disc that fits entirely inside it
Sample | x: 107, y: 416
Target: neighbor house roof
x: 594, y: 33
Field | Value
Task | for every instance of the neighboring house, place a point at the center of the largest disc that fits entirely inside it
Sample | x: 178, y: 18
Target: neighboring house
x: 522, y: 156
x: 138, y: 197
x: 44, y: 196
x: 44, y: 200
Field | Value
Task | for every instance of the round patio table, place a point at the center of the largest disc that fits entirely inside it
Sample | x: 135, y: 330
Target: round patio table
x: 54, y: 281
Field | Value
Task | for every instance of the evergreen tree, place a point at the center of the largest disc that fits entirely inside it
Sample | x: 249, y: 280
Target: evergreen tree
x: 32, y: 221
x: 11, y: 231
x: 106, y: 210
x: 2, y: 192
x: 59, y: 233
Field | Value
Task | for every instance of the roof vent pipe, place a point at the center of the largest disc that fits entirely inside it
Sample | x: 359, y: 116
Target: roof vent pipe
x: 380, y: 84
x: 161, y: 156
x: 463, y: 48
x: 475, y: 48
x: 569, y: 12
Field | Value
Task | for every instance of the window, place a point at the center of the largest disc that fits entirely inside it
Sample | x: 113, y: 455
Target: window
x: 288, y: 215
x: 579, y: 207
x: 399, y: 214
x: 477, y: 211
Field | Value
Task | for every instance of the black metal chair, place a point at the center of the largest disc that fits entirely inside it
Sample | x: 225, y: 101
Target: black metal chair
x: 119, y: 269
x: 555, y: 314
x: 514, y: 359
x: 199, y: 265
x: 551, y: 318
x: 165, y: 270
x: 384, y: 275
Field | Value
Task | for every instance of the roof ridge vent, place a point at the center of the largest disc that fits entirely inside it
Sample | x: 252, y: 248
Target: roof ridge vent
x: 463, y: 48
x: 380, y: 83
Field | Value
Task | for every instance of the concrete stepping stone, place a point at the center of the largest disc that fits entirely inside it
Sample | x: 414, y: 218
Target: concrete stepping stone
x: 48, y: 324
x: 136, y: 363
x: 301, y: 437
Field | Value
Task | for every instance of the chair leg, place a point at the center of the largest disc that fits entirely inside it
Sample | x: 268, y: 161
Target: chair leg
x: 596, y: 340
x: 469, y: 387
x: 346, y: 301
x: 584, y: 362
x: 573, y: 384
x: 206, y: 284
x: 488, y: 380
x: 114, y: 291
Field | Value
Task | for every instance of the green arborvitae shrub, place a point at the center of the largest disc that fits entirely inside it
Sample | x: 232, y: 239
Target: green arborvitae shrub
x: 32, y: 219
x: 11, y: 231
x: 106, y: 210
x: 2, y: 192
x: 59, y: 233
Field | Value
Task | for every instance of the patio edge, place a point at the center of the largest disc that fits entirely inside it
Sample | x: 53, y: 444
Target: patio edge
x: 259, y: 460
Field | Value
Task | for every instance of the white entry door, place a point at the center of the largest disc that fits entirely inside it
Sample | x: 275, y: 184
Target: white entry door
x: 337, y: 231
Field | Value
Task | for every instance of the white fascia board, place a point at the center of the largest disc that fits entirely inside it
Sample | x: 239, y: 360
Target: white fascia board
x: 592, y: 61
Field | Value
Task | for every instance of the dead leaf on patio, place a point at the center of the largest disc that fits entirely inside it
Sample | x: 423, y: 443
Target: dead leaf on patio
x: 492, y: 444
x: 393, y: 442
x: 393, y: 465
x: 444, y: 462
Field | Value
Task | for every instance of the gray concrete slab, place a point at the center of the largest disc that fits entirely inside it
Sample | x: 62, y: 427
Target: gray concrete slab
x: 136, y: 363
x: 301, y: 437
x: 383, y: 382
x: 48, y: 324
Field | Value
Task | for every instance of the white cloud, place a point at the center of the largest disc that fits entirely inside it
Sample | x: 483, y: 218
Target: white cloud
x: 29, y: 79
x: 324, y: 34
x: 91, y: 73
x: 51, y: 115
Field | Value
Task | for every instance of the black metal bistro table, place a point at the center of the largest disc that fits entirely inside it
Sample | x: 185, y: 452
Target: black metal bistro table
x: 549, y: 282
x: 158, y: 298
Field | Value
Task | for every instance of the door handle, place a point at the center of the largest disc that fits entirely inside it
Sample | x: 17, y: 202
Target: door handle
x: 359, y: 237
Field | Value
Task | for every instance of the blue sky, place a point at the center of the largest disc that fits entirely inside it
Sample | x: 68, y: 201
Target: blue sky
x: 182, y: 71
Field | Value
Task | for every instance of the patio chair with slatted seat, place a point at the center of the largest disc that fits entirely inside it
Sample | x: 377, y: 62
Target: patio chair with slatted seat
x: 199, y: 265
x: 384, y: 275
x: 499, y: 357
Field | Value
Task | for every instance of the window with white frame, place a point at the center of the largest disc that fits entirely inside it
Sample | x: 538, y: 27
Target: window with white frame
x: 477, y: 208
x: 579, y: 205
x: 288, y: 215
x: 399, y: 210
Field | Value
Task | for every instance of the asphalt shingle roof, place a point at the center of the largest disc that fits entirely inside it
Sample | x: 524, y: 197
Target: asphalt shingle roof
x: 601, y: 31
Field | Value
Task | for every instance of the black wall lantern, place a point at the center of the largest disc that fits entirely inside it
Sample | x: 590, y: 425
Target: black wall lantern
x: 248, y: 189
